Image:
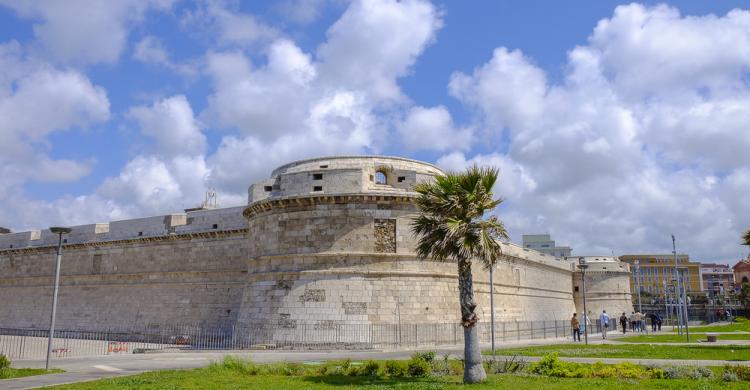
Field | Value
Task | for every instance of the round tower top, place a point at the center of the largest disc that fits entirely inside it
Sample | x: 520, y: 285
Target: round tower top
x: 348, y: 162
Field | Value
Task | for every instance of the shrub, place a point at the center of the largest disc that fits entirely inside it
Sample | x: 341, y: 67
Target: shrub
x: 506, y: 366
x: 687, y: 372
x: 396, y: 368
x: 741, y: 372
x: 418, y: 366
x: 371, y: 368
x: 551, y: 365
x: 4, y: 361
x: 242, y: 366
x: 428, y: 356
x: 729, y: 376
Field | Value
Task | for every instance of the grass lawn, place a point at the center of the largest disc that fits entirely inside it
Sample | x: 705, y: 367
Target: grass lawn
x: 675, y: 338
x: 8, y: 373
x: 207, y: 378
x: 740, y: 325
x: 644, y: 351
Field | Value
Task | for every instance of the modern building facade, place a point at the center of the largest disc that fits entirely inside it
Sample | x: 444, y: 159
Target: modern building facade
x: 544, y: 243
x: 653, y: 273
x: 741, y: 272
x: 716, y: 279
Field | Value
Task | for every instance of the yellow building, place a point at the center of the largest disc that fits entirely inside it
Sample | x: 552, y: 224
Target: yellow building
x: 653, y: 272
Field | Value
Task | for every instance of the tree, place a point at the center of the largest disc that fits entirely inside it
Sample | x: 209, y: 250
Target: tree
x: 746, y: 238
x: 451, y: 226
x: 745, y: 295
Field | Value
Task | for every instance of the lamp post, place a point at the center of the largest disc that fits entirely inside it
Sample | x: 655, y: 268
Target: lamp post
x: 492, y: 310
x: 685, y: 301
x: 59, y: 231
x: 582, y: 265
x: 638, y: 283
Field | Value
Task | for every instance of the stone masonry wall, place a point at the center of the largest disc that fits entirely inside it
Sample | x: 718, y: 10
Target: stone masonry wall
x: 183, y: 279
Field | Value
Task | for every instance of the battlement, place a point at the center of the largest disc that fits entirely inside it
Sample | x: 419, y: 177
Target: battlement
x: 188, y: 222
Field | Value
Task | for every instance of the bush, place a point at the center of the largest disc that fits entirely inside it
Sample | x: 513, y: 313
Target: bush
x: 242, y: 366
x: 740, y: 372
x: 506, y: 366
x: 4, y: 361
x: 371, y: 368
x: 551, y: 365
x: 396, y: 368
x: 418, y: 366
x: 687, y: 372
x: 729, y: 376
x: 428, y: 356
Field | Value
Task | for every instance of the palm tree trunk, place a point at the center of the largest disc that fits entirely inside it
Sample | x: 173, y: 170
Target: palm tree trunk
x: 473, y: 368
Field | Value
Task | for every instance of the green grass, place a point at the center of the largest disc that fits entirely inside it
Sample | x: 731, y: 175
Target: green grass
x: 9, y: 373
x: 206, y: 378
x: 643, y: 351
x: 741, y: 324
x: 675, y: 338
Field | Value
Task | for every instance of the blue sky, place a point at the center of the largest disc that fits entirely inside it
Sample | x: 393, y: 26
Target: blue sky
x: 614, y: 125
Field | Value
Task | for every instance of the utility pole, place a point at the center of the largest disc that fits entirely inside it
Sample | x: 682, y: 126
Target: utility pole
x: 677, y: 287
x: 582, y: 265
x: 492, y: 310
x: 59, y: 231
x: 638, y: 284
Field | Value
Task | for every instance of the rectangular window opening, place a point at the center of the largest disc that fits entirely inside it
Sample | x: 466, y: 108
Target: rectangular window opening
x: 401, y: 179
x: 268, y: 188
x: 215, y: 226
x: 317, y: 176
x: 323, y: 166
x: 140, y: 234
x: 65, y: 240
x: 318, y: 188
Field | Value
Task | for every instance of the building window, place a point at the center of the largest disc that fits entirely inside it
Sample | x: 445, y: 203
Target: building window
x: 401, y: 179
x: 268, y: 188
x: 575, y: 289
x: 317, y: 188
x: 140, y: 234
x: 317, y: 176
x: 215, y: 226
x: 381, y: 178
x: 323, y: 166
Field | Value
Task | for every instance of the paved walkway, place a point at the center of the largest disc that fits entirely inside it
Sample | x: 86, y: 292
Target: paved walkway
x: 79, y: 369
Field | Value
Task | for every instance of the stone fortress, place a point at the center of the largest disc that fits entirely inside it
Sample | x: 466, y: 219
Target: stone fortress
x: 321, y: 242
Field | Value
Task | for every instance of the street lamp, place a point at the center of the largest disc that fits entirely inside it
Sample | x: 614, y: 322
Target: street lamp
x: 582, y: 265
x: 492, y: 309
x: 638, y: 283
x: 59, y: 231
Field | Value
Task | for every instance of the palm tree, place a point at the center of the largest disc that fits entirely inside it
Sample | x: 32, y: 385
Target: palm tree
x: 451, y: 227
x: 746, y: 238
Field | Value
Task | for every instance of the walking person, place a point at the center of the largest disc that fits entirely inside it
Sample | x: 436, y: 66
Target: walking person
x: 604, y: 320
x: 632, y: 321
x: 658, y: 321
x: 653, y: 322
x: 624, y: 322
x: 575, y: 324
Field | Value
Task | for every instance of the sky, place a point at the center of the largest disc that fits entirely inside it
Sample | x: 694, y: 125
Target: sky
x: 614, y: 125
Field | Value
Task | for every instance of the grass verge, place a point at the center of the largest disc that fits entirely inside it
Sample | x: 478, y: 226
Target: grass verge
x: 639, y: 351
x: 10, y: 373
x: 675, y: 338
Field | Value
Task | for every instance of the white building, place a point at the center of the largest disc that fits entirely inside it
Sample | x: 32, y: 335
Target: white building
x: 544, y: 243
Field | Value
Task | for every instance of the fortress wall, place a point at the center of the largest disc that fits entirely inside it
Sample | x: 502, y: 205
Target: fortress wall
x: 350, y: 259
x: 605, y: 290
x: 179, y: 279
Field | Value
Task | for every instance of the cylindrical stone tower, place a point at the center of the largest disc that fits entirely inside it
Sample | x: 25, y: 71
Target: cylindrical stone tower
x: 607, y: 287
x: 330, y: 243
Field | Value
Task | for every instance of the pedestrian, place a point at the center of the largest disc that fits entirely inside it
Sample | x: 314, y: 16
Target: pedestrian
x: 652, y: 316
x: 632, y: 321
x: 604, y: 320
x: 575, y: 324
x: 658, y: 321
x: 641, y: 318
x: 623, y: 322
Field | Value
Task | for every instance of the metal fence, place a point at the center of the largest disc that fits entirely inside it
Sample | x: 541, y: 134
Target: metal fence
x: 32, y: 343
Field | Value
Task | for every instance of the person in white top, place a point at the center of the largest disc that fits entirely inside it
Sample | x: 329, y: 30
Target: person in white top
x: 604, y: 321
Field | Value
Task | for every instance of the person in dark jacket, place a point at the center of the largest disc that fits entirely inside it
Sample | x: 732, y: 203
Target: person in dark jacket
x: 624, y: 322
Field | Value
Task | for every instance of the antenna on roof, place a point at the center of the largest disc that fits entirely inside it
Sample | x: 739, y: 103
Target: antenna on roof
x: 211, y: 201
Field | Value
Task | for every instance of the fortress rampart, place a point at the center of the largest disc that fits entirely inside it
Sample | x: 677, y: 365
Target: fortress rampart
x: 322, y: 241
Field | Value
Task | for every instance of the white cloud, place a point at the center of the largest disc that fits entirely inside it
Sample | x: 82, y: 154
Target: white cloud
x: 643, y: 138
x: 376, y: 42
x: 36, y: 100
x: 170, y: 121
x: 432, y: 129
x: 228, y: 25
x: 84, y: 32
